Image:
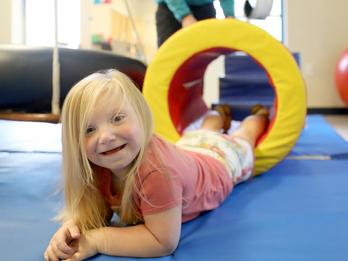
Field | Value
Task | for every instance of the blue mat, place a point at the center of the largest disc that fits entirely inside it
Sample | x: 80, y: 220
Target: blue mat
x: 296, y: 211
x: 21, y: 136
x: 319, y: 138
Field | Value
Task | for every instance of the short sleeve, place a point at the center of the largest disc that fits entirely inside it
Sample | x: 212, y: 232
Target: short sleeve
x: 158, y: 192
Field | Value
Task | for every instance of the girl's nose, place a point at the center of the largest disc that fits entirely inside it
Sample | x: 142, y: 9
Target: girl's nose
x: 106, y: 136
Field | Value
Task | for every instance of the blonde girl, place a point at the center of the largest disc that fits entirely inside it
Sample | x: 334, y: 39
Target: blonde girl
x: 127, y: 191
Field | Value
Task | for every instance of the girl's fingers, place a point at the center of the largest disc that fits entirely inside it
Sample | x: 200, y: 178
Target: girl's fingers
x: 74, y: 232
x: 65, y: 248
x: 75, y: 257
x: 55, y: 249
x: 50, y: 256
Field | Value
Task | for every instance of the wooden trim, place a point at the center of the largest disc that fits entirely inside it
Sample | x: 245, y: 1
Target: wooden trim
x: 38, y: 117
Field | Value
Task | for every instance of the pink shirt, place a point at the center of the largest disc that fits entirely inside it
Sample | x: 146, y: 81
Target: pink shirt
x: 197, y: 181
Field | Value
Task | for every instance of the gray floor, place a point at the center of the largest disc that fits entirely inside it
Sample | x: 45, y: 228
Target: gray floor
x: 340, y: 123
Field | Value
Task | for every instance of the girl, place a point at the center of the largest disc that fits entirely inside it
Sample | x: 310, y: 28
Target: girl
x: 113, y: 163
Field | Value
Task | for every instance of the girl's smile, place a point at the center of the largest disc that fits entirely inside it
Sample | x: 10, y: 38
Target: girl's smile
x: 112, y: 151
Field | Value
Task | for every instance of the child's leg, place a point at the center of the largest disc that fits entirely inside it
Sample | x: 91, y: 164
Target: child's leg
x: 253, y: 126
x: 219, y: 121
x: 212, y: 122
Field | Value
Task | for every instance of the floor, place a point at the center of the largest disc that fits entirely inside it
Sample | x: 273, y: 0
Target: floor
x: 340, y: 123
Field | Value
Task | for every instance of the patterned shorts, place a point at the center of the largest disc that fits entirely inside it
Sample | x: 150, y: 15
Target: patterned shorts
x: 235, y: 153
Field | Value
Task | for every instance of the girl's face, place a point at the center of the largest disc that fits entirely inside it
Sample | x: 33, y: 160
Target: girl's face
x: 113, y: 134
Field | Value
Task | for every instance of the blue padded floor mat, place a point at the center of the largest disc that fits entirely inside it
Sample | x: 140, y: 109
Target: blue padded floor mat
x: 22, y: 136
x: 319, y: 138
x: 296, y: 211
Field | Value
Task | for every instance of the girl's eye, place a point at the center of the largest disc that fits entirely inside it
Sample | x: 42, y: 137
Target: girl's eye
x: 118, y: 118
x: 89, y: 130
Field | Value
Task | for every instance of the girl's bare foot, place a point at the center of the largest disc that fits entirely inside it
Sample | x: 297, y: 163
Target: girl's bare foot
x: 225, y: 112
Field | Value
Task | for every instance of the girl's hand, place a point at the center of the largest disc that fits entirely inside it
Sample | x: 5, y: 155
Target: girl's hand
x: 60, y: 245
x: 86, y: 246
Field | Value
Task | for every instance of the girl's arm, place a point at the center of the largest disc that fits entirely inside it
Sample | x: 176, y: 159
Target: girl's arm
x: 158, y: 236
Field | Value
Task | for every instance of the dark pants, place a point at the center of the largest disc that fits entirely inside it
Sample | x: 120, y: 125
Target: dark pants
x: 167, y: 24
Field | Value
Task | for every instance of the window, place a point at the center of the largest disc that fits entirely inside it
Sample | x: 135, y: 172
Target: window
x: 39, y: 22
x: 273, y: 24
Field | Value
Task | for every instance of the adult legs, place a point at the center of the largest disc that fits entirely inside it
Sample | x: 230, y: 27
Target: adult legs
x: 202, y: 12
x: 166, y: 23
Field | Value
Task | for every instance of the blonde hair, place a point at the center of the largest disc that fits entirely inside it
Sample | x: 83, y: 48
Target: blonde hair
x: 83, y: 200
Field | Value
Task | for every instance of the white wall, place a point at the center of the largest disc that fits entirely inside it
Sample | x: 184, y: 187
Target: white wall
x: 5, y: 21
x: 211, y: 91
x: 11, y: 22
x: 143, y: 13
x: 318, y: 29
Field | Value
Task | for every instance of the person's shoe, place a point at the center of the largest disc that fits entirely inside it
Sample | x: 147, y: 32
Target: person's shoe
x: 225, y: 112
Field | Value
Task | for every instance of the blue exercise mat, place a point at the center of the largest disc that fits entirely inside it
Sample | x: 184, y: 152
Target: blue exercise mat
x: 22, y: 136
x: 296, y: 211
x: 319, y: 138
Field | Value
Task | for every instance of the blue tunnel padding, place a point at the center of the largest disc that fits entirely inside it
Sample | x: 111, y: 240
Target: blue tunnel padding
x: 245, y: 83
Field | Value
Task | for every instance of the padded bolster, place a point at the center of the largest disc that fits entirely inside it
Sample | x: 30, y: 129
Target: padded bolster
x: 26, y: 74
